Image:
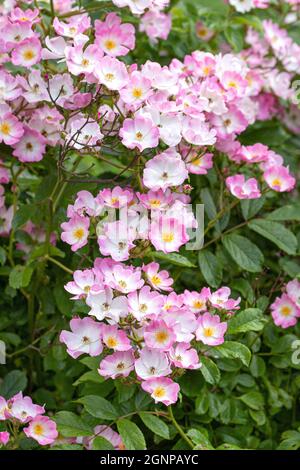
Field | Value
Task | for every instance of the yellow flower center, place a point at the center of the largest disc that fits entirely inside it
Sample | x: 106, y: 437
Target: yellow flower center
x: 109, y: 77
x: 156, y: 280
x: 276, y: 182
x: 38, y: 429
x: 208, y: 332
x: 78, y: 233
x: 206, y: 70
x: 139, y: 135
x: 232, y: 84
x: 28, y: 54
x: 122, y: 284
x: 159, y: 392
x: 137, y: 92
x: 110, y: 44
x: 85, y: 62
x: 197, y: 162
x: 161, y: 336
x: 201, y: 32
x: 111, y: 342
x: 154, y: 202
x: 5, y: 128
x: 168, y: 237
x: 143, y: 308
x: 286, y: 311
x: 198, y: 304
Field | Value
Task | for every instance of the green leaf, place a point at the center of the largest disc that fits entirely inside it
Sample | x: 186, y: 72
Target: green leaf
x: 22, y: 215
x: 91, y: 362
x: 210, y: 268
x: 131, y: 435
x: 71, y: 425
x: 247, y: 255
x: 174, y: 258
x: 2, y: 256
x: 20, y: 276
x: 227, y: 446
x: 250, y: 319
x: 269, y: 133
x: 288, y: 212
x: 14, y: 382
x: 209, y: 204
x: 249, y: 20
x: 235, y: 36
x: 291, y: 441
x: 244, y: 287
x: 253, y: 400
x: 98, y: 407
x: 257, y: 366
x: 276, y: 233
x: 100, y: 443
x: 258, y: 416
x: 250, y: 207
x: 155, y: 424
x: 290, y: 267
x: 210, y: 371
x: 200, y: 439
x: 90, y: 376
x: 232, y: 349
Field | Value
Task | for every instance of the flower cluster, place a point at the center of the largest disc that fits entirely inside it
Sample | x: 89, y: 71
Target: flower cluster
x: 173, y: 119
x: 166, y: 230
x: 286, y: 309
x: 141, y: 328
x: 271, y: 53
x: 20, y: 410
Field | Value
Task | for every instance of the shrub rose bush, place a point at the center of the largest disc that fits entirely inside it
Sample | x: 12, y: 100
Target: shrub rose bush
x: 149, y: 223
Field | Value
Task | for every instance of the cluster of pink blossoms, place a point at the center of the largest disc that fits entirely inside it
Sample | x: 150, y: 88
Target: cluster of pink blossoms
x: 166, y: 230
x: 22, y: 411
x: 192, y: 106
x: 142, y: 328
x: 285, y: 309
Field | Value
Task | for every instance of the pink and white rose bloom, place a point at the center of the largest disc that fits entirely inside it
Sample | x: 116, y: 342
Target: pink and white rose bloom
x: 279, y: 179
x: 42, y: 429
x: 112, y: 73
x: 162, y: 390
x: 184, y: 357
x: 165, y: 170
x: 242, y: 188
x: 118, y: 364
x: 284, y: 311
x: 210, y: 329
x: 76, y: 232
x: 152, y: 363
x: 158, y: 335
x: 139, y: 132
x: 115, y: 338
x: 84, y: 337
